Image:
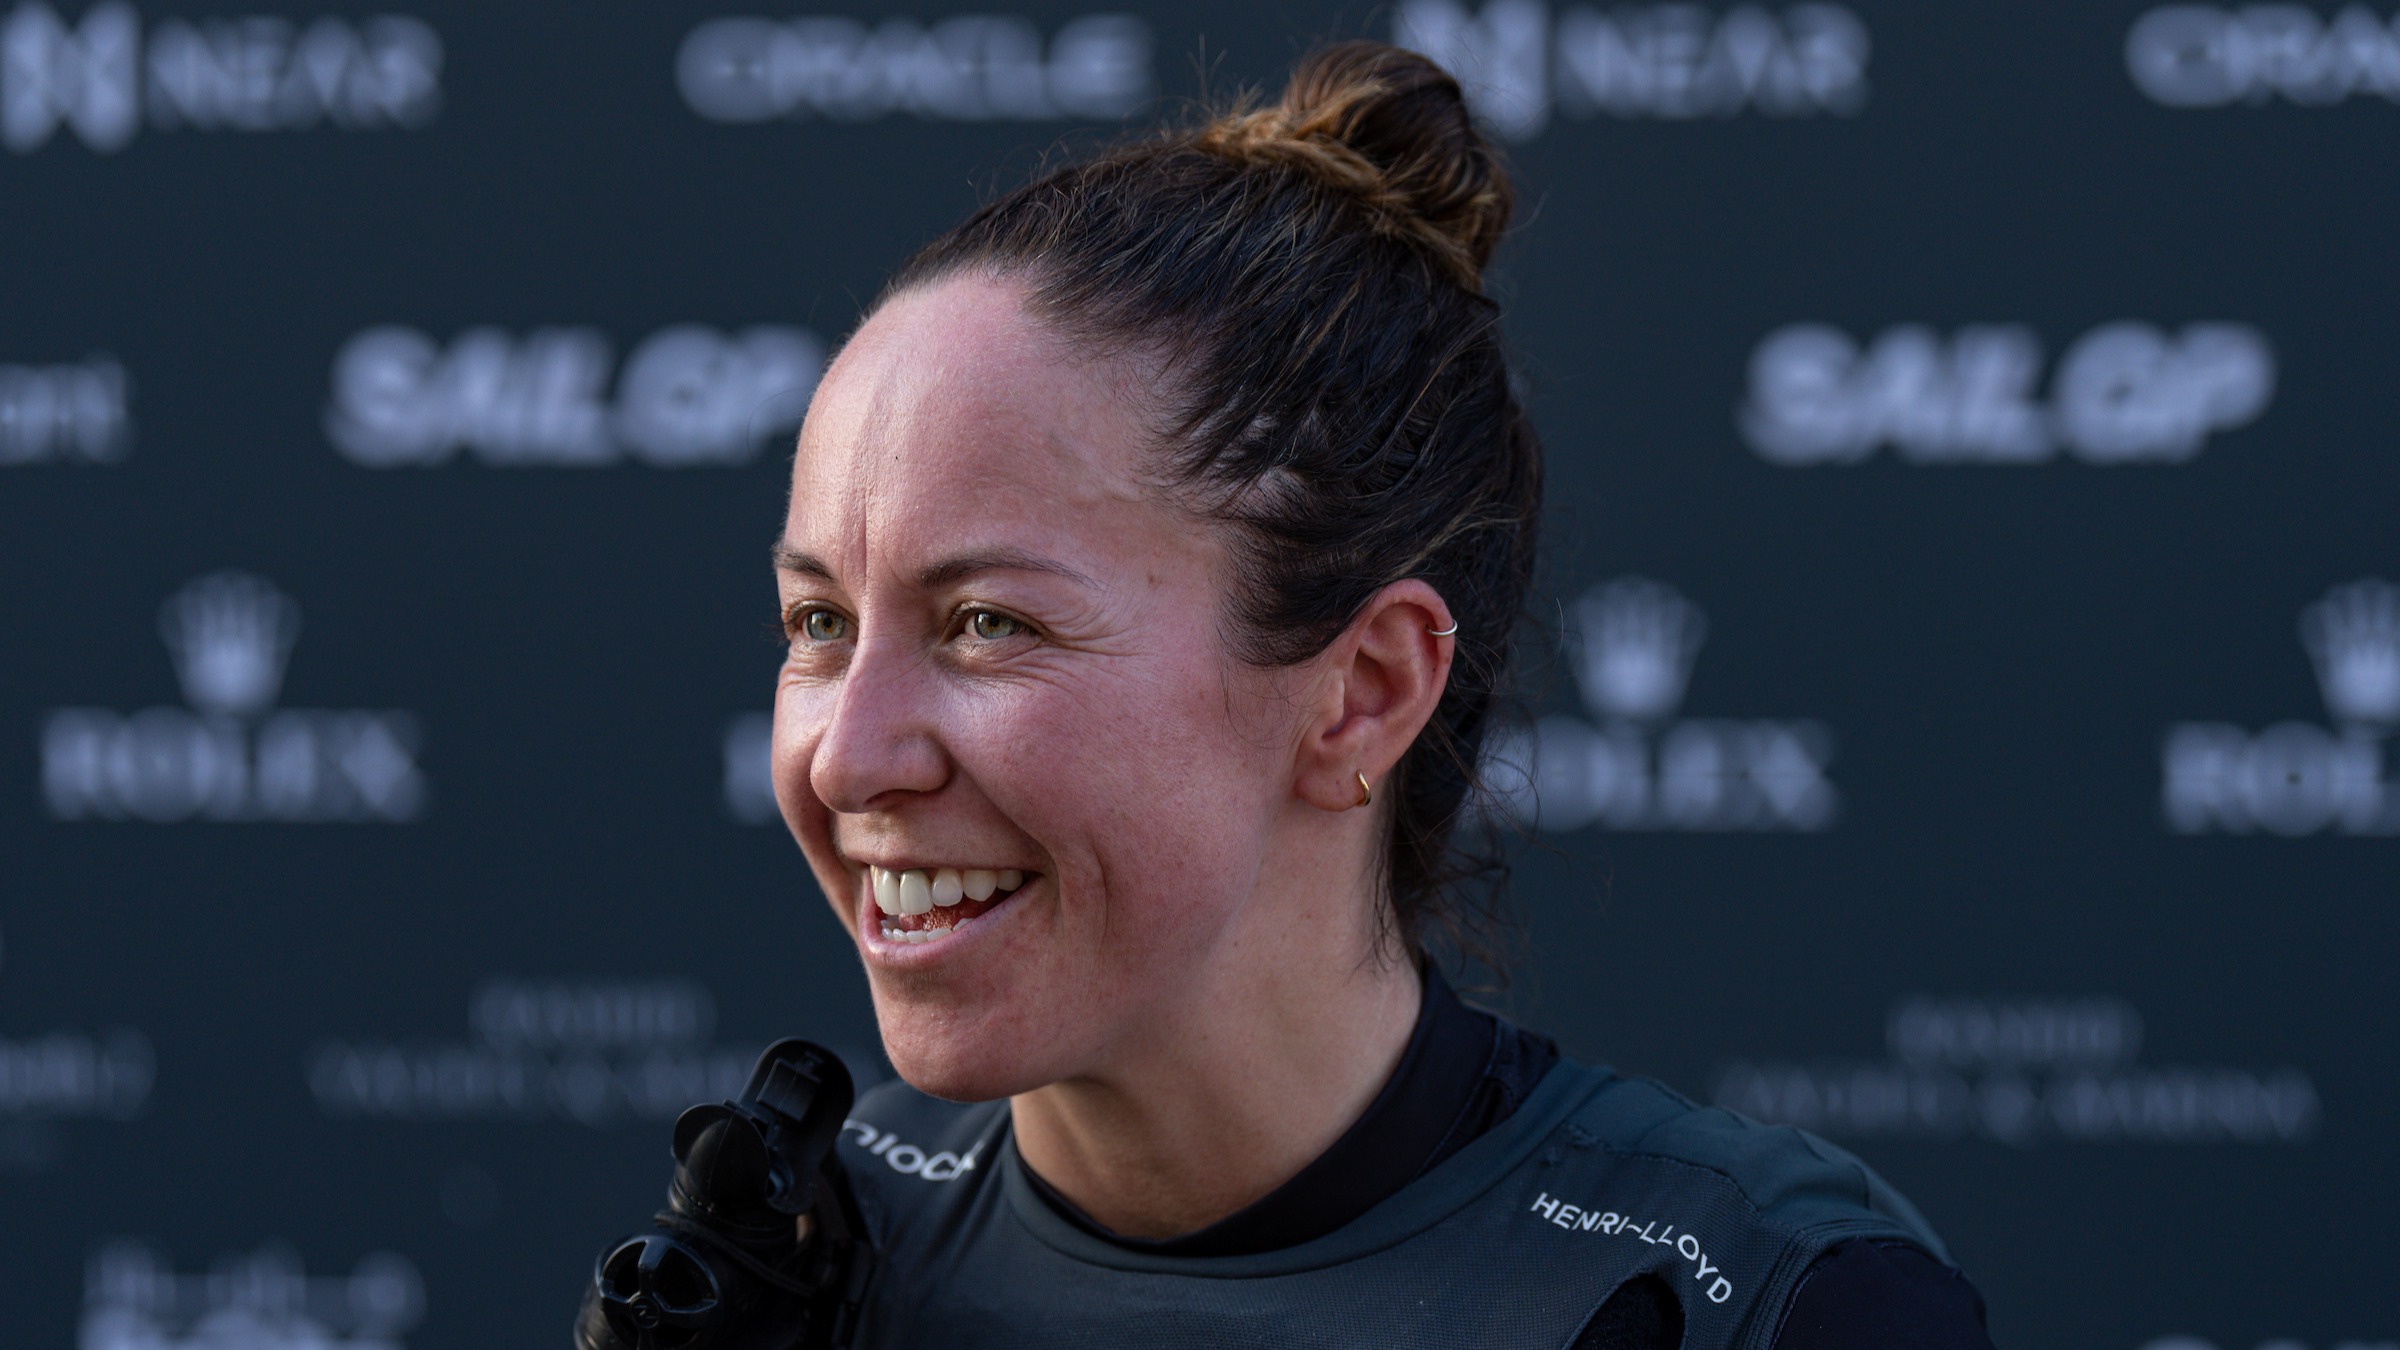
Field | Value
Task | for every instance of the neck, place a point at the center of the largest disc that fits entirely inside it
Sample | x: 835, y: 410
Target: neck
x: 1235, y: 1090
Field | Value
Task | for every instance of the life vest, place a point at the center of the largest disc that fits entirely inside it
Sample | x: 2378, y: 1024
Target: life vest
x: 1514, y: 1242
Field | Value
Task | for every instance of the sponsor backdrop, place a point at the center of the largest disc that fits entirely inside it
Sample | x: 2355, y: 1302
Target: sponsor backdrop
x: 1963, y: 683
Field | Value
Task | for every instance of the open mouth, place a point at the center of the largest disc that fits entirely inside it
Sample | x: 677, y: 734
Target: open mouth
x: 927, y: 904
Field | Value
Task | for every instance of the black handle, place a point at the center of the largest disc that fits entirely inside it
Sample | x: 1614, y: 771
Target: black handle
x: 725, y: 1268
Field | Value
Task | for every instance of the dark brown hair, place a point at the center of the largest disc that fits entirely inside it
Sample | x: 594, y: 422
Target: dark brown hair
x: 1308, y: 277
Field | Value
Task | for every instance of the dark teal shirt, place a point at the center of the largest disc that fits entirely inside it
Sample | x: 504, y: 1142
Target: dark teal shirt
x: 1595, y: 1184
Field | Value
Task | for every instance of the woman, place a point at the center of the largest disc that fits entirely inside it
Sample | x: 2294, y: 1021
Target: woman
x: 1153, y: 551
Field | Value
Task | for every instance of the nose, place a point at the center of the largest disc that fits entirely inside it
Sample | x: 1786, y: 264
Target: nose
x: 880, y: 744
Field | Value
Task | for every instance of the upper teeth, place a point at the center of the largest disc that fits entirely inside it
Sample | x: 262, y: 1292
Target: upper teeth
x: 916, y: 890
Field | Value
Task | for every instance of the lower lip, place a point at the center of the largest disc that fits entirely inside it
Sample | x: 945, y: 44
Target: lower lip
x: 891, y: 952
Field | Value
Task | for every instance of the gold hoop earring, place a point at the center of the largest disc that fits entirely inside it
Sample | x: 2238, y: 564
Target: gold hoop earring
x: 1451, y: 631
x: 1366, y: 795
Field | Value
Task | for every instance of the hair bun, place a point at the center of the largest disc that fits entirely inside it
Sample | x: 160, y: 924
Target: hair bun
x: 1390, y: 128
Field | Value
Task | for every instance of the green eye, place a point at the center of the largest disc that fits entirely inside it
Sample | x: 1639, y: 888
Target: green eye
x: 823, y: 625
x: 992, y: 627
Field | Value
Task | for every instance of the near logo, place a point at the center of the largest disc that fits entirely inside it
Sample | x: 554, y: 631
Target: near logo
x: 1663, y: 62
x: 254, y: 73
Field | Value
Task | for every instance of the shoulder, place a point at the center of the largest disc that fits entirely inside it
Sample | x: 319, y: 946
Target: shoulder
x: 1866, y: 1295
x: 1753, y: 1224
x: 1790, y: 1179
x: 904, y: 1151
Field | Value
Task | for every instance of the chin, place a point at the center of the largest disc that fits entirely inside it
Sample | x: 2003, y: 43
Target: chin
x: 958, y: 1055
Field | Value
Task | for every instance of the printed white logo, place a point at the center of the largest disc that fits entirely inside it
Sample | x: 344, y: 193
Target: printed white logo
x: 1674, y: 61
x: 909, y: 1160
x: 63, y: 413
x: 591, y: 1053
x: 1641, y: 768
x: 230, y: 755
x: 2021, y: 1072
x: 971, y: 69
x: 2124, y: 393
x: 65, y: 1075
x: 749, y: 772
x: 230, y: 635
x: 688, y: 396
x: 2207, y: 56
x: 262, y: 1300
x: 1576, y: 1219
x: 70, y: 1074
x: 1639, y: 642
x: 254, y: 73
x: 2271, y: 1343
x: 2353, y: 635
x: 2295, y: 778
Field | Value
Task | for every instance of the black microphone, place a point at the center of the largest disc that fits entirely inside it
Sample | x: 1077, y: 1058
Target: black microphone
x: 727, y: 1267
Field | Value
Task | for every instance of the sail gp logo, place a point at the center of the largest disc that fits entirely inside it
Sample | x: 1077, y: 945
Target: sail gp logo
x: 230, y: 754
x: 2296, y: 778
x: 98, y: 77
x: 688, y: 396
x: 1519, y: 64
x: 1641, y: 768
x: 2124, y: 393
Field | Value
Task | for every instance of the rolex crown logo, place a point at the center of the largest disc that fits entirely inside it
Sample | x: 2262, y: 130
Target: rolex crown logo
x: 230, y: 634
x: 2353, y: 635
x: 1638, y: 641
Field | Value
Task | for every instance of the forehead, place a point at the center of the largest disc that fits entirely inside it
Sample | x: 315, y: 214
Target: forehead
x: 951, y: 401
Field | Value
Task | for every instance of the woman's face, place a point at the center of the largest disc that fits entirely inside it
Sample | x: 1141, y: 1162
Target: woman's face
x: 1006, y: 664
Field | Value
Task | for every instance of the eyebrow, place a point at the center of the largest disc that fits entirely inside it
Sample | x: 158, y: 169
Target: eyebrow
x: 791, y: 559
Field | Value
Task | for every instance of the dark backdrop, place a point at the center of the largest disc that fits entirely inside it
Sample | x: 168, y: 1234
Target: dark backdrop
x: 1963, y: 679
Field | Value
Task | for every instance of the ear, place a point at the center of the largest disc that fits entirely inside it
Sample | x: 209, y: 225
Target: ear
x: 1380, y: 682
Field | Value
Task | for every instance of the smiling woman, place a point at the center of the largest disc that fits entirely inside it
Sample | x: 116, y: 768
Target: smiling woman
x: 1153, y: 553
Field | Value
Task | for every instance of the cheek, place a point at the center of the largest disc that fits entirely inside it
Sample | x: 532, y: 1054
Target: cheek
x: 1140, y: 789
x: 798, y: 726
x: 796, y: 730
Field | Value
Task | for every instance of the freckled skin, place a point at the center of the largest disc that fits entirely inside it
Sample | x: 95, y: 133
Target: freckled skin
x: 1185, y: 1004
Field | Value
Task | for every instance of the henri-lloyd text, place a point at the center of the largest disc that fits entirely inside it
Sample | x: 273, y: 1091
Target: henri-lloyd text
x: 1685, y: 1245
